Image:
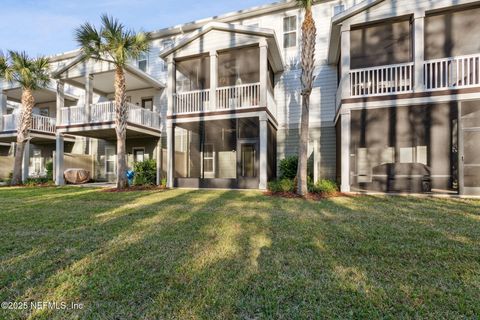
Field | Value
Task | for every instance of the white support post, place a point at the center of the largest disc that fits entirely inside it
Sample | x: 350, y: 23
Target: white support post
x: 316, y: 158
x: 213, y: 80
x: 60, y: 100
x: 263, y: 170
x: 59, y: 167
x: 158, y: 152
x: 419, y: 50
x: 263, y: 72
x: 26, y: 161
x: 345, y: 61
x: 3, y: 108
x: 345, y: 119
x: 88, y: 96
x: 170, y: 153
x: 171, y: 85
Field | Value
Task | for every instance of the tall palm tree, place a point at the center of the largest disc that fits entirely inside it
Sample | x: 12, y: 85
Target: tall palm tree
x: 116, y: 44
x: 31, y: 74
x: 307, y: 62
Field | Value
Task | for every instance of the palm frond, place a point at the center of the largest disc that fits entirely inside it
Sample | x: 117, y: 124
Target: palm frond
x: 307, y: 4
x: 89, y: 40
x: 112, y: 41
x: 30, y: 73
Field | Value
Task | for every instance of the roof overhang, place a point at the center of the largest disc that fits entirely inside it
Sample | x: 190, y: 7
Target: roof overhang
x: 335, y: 31
x: 43, y: 95
x: 267, y: 34
x: 103, y: 72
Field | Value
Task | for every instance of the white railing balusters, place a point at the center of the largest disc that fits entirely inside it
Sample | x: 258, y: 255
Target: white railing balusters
x: 39, y: 123
x: 191, y: 101
x: 232, y: 97
x: 105, y: 112
x: 382, y: 80
x: 240, y: 96
x: 452, y: 73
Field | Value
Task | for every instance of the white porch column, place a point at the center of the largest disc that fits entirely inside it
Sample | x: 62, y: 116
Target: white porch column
x: 3, y: 108
x: 158, y: 152
x: 345, y: 61
x: 213, y: 80
x: 88, y: 96
x: 316, y: 158
x: 345, y: 118
x: 263, y: 160
x: 26, y: 161
x: 171, y: 85
x: 59, y: 168
x: 263, y: 72
x: 60, y: 100
x: 170, y: 153
x: 419, y: 47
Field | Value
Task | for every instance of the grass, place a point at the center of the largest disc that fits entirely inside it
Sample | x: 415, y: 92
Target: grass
x: 228, y: 254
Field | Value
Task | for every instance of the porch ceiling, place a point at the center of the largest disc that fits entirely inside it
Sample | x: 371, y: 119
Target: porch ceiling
x: 36, y: 137
x: 103, y: 72
x: 40, y: 95
x: 104, y: 82
x: 107, y: 131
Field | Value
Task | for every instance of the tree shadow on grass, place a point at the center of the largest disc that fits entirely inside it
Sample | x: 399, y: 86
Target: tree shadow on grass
x: 231, y: 254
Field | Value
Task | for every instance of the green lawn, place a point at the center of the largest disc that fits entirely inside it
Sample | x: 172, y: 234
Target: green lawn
x: 231, y: 254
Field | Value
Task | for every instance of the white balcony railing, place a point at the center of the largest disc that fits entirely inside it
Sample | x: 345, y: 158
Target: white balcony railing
x: 271, y: 103
x: 39, y: 123
x: 236, y: 97
x: 452, y: 73
x: 73, y: 115
x: 105, y: 111
x: 191, y: 101
x: 42, y: 123
x: 383, y: 80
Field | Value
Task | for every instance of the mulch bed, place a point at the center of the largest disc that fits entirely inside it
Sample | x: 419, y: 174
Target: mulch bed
x: 309, y: 196
x: 135, y: 188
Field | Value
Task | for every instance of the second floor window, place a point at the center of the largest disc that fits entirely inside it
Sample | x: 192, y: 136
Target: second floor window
x: 290, y: 32
x: 142, y: 62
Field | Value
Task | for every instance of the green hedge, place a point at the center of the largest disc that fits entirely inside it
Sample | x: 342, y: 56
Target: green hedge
x: 282, y: 185
x: 324, y: 186
x: 288, y: 167
x: 145, y: 172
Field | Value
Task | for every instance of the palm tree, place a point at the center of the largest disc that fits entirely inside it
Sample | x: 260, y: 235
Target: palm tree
x: 31, y: 74
x: 116, y: 44
x: 307, y: 64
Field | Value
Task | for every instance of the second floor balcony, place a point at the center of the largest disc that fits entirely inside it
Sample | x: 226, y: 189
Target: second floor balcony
x: 450, y: 73
x: 223, y: 69
x: 40, y: 123
x: 104, y: 112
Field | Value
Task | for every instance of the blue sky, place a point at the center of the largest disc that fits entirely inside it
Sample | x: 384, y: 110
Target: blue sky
x: 44, y: 27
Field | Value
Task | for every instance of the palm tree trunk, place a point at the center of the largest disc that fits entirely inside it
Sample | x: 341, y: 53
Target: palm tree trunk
x: 307, y: 62
x: 121, y: 127
x: 22, y: 134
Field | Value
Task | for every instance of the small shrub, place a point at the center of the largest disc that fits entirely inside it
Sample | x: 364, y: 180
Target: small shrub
x: 145, y: 172
x: 31, y: 182
x: 49, y: 170
x: 288, y: 167
x: 325, y: 186
x: 282, y: 185
x: 163, y: 182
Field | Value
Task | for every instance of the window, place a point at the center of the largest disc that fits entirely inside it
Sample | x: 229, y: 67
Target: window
x: 248, y: 160
x: 142, y: 62
x: 147, y: 103
x: 208, y: 160
x: 166, y: 43
x: 339, y: 8
x: 110, y: 160
x: 290, y: 31
x: 138, y: 154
